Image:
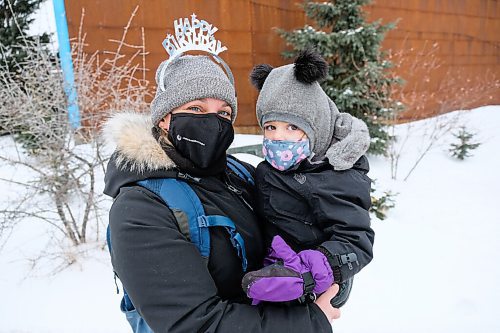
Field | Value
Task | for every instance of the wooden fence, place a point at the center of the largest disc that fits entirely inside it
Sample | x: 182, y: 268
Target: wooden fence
x: 460, y: 37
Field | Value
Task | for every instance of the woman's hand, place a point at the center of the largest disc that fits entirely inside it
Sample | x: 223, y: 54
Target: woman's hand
x: 323, y: 302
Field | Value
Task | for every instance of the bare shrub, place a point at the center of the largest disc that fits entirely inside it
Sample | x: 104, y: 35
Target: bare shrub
x: 460, y: 92
x: 111, y: 79
x: 55, y: 176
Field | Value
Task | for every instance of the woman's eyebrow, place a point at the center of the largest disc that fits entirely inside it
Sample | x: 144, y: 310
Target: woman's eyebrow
x: 205, y: 101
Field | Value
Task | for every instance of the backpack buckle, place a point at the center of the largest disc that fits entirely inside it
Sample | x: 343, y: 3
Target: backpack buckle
x: 203, y: 221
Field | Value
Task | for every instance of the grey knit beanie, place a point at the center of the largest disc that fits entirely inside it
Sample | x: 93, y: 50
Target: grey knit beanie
x: 291, y: 93
x: 188, y: 78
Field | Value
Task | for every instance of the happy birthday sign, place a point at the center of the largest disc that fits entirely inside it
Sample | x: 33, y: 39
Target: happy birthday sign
x: 192, y: 35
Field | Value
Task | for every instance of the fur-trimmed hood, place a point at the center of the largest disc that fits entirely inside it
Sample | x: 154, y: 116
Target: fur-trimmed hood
x: 137, y: 156
x: 136, y: 148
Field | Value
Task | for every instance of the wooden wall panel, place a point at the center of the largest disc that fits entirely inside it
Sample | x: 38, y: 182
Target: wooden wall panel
x: 468, y: 34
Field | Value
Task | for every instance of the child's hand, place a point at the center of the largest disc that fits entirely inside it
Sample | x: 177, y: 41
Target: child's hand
x: 289, y: 276
x: 323, y: 302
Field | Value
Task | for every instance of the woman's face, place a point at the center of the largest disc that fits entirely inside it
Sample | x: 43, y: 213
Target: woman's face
x: 200, y: 106
x: 283, y: 131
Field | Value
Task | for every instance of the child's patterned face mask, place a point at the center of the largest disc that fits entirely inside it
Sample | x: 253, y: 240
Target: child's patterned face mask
x: 282, y: 154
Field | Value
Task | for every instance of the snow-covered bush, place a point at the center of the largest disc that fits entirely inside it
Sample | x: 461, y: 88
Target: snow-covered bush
x: 61, y: 175
x: 55, y: 173
x: 382, y: 201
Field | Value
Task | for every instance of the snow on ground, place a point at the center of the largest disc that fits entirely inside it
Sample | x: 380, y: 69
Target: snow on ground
x: 434, y: 268
x: 246, y: 140
x: 434, y: 257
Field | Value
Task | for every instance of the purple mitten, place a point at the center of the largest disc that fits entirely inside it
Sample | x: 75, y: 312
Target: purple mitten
x: 321, y: 271
x: 282, y: 279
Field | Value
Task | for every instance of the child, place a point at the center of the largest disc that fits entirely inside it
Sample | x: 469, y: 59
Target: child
x: 312, y: 190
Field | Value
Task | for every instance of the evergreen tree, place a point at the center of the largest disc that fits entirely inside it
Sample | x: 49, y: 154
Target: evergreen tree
x: 358, y: 80
x: 15, y: 19
x: 462, y: 149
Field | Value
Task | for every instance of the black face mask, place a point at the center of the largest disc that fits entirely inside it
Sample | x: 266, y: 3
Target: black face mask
x: 201, y: 138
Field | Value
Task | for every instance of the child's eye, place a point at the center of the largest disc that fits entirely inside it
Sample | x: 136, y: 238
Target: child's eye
x: 269, y: 127
x: 292, y: 127
x: 194, y: 108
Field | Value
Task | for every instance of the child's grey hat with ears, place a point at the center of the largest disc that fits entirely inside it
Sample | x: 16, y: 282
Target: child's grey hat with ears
x: 292, y: 93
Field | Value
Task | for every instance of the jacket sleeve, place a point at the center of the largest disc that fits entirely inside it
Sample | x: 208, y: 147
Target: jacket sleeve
x: 342, y: 208
x: 170, y: 285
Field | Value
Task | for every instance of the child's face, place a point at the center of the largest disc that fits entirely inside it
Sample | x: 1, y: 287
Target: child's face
x: 282, y: 131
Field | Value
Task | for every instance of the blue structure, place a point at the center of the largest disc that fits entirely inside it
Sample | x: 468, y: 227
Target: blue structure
x: 66, y: 62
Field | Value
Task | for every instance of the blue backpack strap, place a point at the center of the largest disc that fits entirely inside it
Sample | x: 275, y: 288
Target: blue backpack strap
x: 179, y: 196
x: 239, y: 169
x: 108, y: 238
x: 235, y: 237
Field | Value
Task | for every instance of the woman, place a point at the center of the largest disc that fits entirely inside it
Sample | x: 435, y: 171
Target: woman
x: 168, y: 281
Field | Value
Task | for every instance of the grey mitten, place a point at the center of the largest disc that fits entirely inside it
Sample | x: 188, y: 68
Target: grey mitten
x: 342, y: 127
x: 351, y: 140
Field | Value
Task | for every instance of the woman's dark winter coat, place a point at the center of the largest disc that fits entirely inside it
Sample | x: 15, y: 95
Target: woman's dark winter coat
x: 313, y: 205
x: 164, y: 274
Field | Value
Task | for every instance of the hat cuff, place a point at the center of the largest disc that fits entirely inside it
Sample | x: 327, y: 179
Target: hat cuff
x: 186, y: 91
x: 292, y: 119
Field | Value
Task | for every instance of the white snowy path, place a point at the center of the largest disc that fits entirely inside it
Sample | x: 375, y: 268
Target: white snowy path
x: 434, y: 268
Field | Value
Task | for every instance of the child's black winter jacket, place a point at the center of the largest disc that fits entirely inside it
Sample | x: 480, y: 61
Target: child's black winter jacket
x: 314, y: 206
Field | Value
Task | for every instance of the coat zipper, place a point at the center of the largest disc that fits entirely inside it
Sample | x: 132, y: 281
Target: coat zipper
x: 239, y: 193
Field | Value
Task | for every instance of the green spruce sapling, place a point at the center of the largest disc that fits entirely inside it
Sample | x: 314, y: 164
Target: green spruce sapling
x: 465, y: 144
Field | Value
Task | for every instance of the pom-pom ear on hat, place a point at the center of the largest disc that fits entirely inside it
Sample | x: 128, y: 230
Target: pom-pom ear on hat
x: 310, y: 67
x: 259, y: 75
